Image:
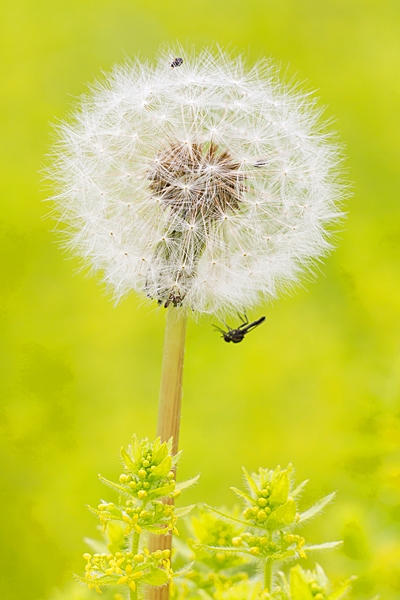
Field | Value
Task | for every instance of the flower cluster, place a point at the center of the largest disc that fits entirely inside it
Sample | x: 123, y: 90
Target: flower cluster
x: 127, y: 568
x: 270, y: 516
x: 230, y: 549
x: 307, y: 585
x: 299, y: 585
x: 145, y: 487
x: 199, y: 182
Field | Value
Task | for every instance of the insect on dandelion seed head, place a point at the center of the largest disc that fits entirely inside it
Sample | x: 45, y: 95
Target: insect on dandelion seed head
x: 197, y: 181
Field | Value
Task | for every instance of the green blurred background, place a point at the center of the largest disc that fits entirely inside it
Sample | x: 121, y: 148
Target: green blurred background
x: 318, y: 384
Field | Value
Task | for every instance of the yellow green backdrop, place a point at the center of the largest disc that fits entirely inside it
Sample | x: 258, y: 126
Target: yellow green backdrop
x: 318, y: 384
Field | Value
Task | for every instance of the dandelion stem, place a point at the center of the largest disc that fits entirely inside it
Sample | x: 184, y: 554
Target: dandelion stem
x: 169, y: 408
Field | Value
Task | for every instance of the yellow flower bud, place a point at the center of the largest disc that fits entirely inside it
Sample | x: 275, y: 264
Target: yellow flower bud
x: 142, y: 474
x: 142, y: 494
x: 87, y: 556
x: 255, y: 551
x: 138, y: 558
x: 237, y: 541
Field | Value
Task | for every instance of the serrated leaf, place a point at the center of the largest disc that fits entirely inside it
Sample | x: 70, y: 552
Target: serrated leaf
x: 99, y: 581
x: 243, y: 495
x: 299, y: 587
x: 156, y: 530
x: 324, y: 546
x: 227, y: 517
x: 250, y: 482
x: 215, y: 549
x: 160, y: 453
x: 157, y: 577
x: 316, y: 508
x: 95, y: 545
x: 283, y: 515
x: 163, y: 491
x: 183, y: 570
x: 175, y: 458
x: 130, y: 465
x: 280, y: 488
x: 163, y: 468
x: 115, y: 486
x: 299, y: 489
x: 184, y: 510
x: 342, y: 590
x: 183, y: 485
x: 136, y: 452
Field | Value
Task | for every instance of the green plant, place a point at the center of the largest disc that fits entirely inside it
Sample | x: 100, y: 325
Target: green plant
x: 144, y: 489
x: 224, y: 555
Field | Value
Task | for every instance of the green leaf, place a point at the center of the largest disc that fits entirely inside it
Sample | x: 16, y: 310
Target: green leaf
x: 163, y: 468
x: 280, y: 488
x: 156, y: 530
x: 115, y: 486
x: 316, y: 508
x: 163, y: 491
x: 130, y: 465
x: 136, y: 451
x: 299, y: 489
x: 243, y: 495
x: 299, y: 587
x: 283, y: 515
x: 160, y: 451
x: 184, y: 510
x: 324, y: 546
x: 227, y: 517
x: 183, y: 485
x: 250, y: 482
x: 342, y: 590
x: 183, y: 570
x: 156, y: 577
x: 175, y: 458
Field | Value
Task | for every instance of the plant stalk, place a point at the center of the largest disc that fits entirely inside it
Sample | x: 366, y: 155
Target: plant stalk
x: 169, y: 409
x: 268, y: 576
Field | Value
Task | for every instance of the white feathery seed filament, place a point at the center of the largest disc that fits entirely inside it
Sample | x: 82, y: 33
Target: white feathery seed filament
x: 204, y: 185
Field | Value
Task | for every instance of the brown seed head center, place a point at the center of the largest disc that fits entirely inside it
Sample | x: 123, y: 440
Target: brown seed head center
x: 197, y: 180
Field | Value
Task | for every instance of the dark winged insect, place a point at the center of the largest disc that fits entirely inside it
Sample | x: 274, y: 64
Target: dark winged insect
x: 176, y: 62
x: 237, y: 335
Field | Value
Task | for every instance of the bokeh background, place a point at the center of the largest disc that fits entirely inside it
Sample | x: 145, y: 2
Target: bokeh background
x: 318, y: 384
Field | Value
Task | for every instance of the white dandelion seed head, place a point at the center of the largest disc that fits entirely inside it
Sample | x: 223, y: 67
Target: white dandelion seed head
x: 207, y: 185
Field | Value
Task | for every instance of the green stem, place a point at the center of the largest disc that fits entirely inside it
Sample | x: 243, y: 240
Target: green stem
x: 133, y: 594
x: 268, y: 576
x: 135, y: 543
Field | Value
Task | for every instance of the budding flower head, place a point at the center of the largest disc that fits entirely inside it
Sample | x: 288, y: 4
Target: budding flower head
x: 197, y: 181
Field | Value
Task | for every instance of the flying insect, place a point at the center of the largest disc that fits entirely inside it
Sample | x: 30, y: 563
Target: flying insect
x: 237, y: 335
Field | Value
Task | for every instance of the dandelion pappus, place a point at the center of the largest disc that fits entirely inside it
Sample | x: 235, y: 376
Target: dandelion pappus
x: 237, y: 335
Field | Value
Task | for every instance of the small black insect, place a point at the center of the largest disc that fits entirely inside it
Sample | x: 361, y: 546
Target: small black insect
x: 177, y: 62
x: 237, y: 335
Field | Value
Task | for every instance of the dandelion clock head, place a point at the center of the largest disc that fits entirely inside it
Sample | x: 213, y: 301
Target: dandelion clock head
x: 199, y: 182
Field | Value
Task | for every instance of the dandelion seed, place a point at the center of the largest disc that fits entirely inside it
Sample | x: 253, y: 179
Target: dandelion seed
x: 216, y: 182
